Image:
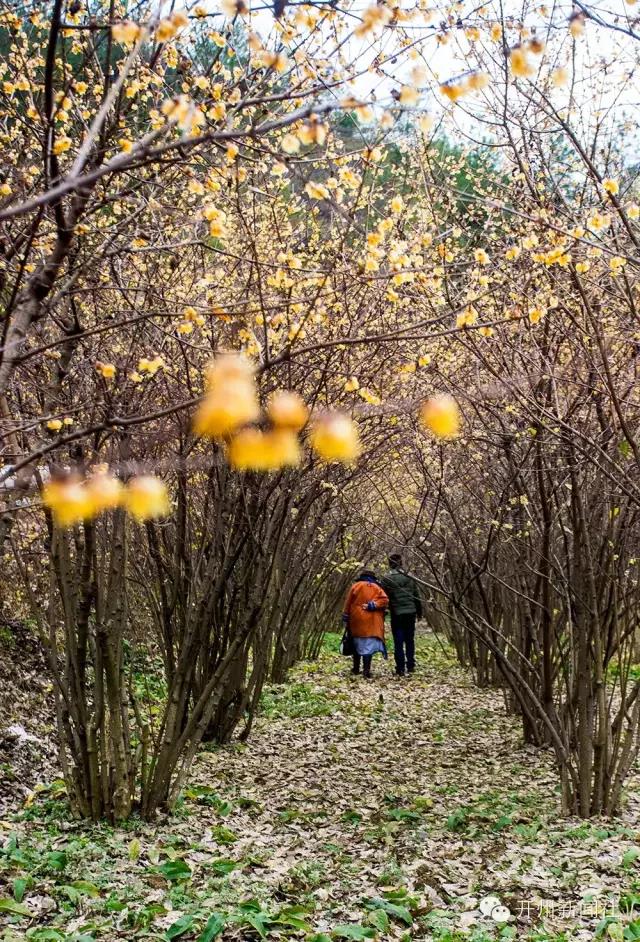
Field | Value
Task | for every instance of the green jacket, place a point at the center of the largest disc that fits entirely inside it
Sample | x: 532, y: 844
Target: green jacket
x: 404, y: 596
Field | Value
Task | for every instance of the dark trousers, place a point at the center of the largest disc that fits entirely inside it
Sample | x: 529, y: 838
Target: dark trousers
x: 403, y: 628
x: 366, y: 664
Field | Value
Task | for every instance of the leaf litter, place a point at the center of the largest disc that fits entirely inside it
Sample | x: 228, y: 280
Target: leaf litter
x: 389, y: 809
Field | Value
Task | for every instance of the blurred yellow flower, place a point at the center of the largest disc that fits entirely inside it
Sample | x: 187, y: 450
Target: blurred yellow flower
x: 68, y: 501
x: 104, y: 492
x: 290, y: 144
x: 146, y: 497
x: 287, y: 409
x: 441, y: 415
x: 334, y: 437
x: 231, y: 399
x: 317, y: 191
x: 107, y: 370
x: 126, y: 33
x: 251, y: 449
x: 521, y: 65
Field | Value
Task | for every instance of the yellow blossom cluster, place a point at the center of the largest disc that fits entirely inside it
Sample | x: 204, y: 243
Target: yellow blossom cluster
x: 72, y: 499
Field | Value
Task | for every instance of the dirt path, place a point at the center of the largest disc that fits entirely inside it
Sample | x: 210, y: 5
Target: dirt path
x: 357, y: 808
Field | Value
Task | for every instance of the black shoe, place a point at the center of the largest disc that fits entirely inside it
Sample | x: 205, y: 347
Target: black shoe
x: 399, y: 673
x: 367, y: 675
x: 355, y: 670
x: 411, y: 670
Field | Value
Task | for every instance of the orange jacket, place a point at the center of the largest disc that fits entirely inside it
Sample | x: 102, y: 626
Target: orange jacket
x: 364, y: 624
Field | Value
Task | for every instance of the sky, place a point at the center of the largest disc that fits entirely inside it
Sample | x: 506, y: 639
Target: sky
x: 604, y: 63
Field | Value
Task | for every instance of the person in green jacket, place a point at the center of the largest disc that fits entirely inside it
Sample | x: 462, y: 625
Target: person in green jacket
x: 405, y: 606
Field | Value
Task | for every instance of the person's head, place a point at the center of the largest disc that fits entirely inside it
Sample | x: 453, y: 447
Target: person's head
x: 395, y: 561
x: 367, y: 575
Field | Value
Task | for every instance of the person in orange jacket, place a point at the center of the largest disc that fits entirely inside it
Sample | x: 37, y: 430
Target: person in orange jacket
x: 363, y: 616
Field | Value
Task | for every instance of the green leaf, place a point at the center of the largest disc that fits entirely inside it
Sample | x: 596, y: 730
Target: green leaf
x: 224, y: 835
x: 134, y: 849
x: 56, y: 860
x: 401, y: 913
x: 624, y: 447
x: 19, y: 887
x: 175, y: 870
x: 13, y: 906
x: 318, y: 937
x: 379, y: 919
x: 223, y: 865
x: 45, y: 935
x: 353, y: 932
x: 86, y: 888
x: 258, y: 922
x: 213, y: 928
x: 289, y: 919
x: 179, y: 928
x: 630, y: 856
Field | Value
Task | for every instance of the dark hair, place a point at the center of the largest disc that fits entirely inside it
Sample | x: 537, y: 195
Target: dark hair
x: 395, y: 560
x: 366, y: 574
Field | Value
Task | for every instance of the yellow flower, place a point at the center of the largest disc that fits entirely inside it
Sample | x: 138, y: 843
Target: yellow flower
x: 251, y: 449
x: 536, y: 314
x: 126, y: 33
x: 481, y: 257
x: 150, y: 366
x: 616, y: 263
x: 441, y: 415
x: 372, y: 398
x: 597, y: 221
x: 104, y: 492
x: 633, y: 211
x: 352, y: 384
x: 146, y: 498
x: 62, y: 145
x: 166, y: 30
x: 334, y: 437
x: 68, y: 501
x: 467, y: 318
x: 373, y: 17
x: 496, y: 32
x: 559, y: 77
x: 287, y: 409
x: 397, y: 205
x: 520, y: 63
x: 408, y: 96
x: 231, y: 400
x: 611, y: 186
x: 107, y: 370
x: 54, y: 425
x: 180, y: 19
x: 576, y: 25
x: 290, y: 144
x: 453, y: 90
x: 478, y: 81
x: 316, y: 191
